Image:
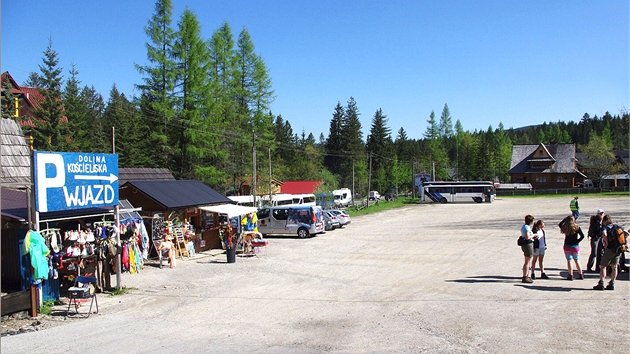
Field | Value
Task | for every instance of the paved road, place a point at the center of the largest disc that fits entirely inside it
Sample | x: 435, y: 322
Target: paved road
x: 422, y: 278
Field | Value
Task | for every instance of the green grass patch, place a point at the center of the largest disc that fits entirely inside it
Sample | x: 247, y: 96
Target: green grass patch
x: 48, y: 305
x: 380, y: 206
x: 121, y: 291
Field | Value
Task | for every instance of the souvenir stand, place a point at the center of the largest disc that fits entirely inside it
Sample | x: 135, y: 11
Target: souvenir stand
x: 85, y: 244
x: 182, y: 234
x: 234, y: 213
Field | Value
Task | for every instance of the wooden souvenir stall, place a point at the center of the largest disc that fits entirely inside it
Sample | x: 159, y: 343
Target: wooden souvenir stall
x: 177, y: 203
x: 86, y: 245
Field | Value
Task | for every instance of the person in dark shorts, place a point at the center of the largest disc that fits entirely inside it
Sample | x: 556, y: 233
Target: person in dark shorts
x: 540, y: 246
x: 595, y: 235
x: 528, y: 248
x: 610, y: 258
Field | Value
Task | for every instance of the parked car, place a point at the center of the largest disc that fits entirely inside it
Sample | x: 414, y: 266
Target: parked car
x: 342, y: 217
x: 390, y: 197
x: 331, y: 218
x: 374, y: 195
x: 300, y: 220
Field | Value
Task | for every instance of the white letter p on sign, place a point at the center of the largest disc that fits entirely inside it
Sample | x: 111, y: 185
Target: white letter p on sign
x: 44, y: 182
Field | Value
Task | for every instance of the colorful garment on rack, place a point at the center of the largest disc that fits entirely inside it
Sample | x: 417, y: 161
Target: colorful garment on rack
x: 35, y: 245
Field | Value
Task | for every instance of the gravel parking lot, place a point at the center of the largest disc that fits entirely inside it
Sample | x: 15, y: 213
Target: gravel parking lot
x: 421, y: 278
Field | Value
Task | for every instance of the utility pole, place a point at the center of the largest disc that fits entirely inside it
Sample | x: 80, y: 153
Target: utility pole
x: 413, y: 179
x: 369, y: 180
x: 254, y: 166
x: 352, y: 181
x: 270, y: 184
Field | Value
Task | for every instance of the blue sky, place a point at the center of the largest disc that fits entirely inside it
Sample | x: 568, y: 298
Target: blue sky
x: 491, y: 61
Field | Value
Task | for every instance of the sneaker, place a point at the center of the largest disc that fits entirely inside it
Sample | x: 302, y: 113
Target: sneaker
x: 610, y: 286
x: 599, y: 286
x: 543, y: 276
x: 527, y: 280
x: 580, y: 276
x: 569, y: 277
x: 533, y: 276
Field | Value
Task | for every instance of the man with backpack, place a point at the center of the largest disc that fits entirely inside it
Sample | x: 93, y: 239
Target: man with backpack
x: 614, y: 245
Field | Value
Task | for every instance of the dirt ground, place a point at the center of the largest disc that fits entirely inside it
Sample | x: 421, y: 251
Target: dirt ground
x: 421, y: 278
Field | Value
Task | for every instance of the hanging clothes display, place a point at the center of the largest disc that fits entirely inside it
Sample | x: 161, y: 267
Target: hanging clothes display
x: 35, y: 246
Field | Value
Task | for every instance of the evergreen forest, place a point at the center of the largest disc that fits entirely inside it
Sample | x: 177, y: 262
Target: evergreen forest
x: 204, y: 113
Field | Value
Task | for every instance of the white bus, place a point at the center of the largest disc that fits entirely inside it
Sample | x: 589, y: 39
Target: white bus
x: 449, y: 192
x: 304, y: 199
x: 244, y: 200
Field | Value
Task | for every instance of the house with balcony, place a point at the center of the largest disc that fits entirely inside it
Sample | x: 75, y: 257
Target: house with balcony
x: 545, y: 166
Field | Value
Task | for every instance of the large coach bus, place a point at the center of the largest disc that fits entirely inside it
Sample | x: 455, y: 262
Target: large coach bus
x: 449, y: 192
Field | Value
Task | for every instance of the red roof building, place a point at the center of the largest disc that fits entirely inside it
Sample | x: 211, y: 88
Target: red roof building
x: 28, y: 99
x: 300, y: 187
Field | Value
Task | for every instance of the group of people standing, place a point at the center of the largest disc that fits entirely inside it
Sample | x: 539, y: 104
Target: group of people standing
x: 534, y: 245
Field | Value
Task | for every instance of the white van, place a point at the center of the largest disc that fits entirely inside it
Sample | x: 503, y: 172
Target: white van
x: 304, y: 199
x: 278, y: 199
x: 342, y: 197
x: 243, y: 200
x: 300, y: 220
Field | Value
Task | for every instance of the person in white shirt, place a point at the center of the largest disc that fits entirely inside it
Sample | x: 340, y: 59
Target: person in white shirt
x: 540, y: 245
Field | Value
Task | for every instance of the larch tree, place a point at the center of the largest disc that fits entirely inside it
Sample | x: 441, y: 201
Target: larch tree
x: 157, y: 101
x: 200, y: 130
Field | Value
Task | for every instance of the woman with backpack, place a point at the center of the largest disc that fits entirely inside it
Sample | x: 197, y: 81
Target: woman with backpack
x: 572, y: 236
x: 528, y: 247
x: 540, y: 245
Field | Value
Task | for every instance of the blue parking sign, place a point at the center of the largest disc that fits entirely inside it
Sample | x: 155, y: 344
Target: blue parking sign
x: 67, y: 181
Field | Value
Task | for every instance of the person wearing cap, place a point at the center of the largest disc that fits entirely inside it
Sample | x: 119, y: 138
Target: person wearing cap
x: 575, y: 208
x: 595, y: 235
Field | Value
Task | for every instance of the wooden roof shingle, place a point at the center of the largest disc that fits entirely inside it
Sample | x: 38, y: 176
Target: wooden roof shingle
x: 15, y: 158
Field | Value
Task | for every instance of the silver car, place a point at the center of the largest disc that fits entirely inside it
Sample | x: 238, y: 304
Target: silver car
x: 300, y: 220
x: 342, y: 217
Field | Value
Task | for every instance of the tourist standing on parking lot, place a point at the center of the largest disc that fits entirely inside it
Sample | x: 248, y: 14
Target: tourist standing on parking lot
x: 527, y: 247
x: 540, y: 245
x: 575, y: 208
x: 572, y: 236
x: 595, y: 236
x: 610, y: 258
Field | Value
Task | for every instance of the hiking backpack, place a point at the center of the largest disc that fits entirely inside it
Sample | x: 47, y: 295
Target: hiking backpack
x: 617, y: 239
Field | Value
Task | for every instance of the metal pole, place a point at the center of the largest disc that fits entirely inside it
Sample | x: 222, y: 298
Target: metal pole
x: 369, y: 181
x: 270, y: 184
x: 254, y: 166
x: 116, y: 218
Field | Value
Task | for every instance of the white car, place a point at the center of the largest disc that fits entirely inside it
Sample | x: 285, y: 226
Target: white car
x: 342, y: 217
x: 374, y: 195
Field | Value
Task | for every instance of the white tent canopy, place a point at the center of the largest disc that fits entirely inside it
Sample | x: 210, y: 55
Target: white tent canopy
x: 231, y: 210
